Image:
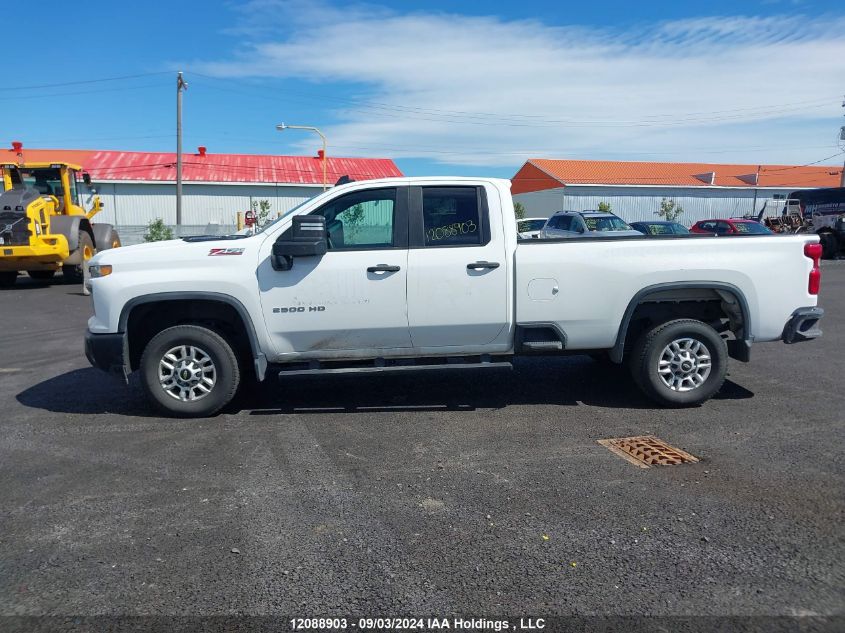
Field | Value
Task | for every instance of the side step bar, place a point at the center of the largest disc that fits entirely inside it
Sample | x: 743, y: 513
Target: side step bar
x: 379, y: 369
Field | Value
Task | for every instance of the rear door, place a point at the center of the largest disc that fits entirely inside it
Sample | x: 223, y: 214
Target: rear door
x: 457, y: 269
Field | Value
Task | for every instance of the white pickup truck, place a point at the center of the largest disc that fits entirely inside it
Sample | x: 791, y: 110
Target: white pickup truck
x: 427, y: 273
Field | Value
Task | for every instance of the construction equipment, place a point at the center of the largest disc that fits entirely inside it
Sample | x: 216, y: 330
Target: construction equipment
x: 819, y: 211
x: 43, y: 226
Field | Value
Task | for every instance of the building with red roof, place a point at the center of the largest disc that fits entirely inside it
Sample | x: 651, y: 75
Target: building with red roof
x: 138, y: 187
x: 635, y: 189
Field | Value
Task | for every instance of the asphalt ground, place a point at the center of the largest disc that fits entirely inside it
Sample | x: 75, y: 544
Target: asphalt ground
x: 429, y: 495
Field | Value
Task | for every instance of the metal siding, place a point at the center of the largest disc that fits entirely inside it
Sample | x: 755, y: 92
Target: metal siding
x: 633, y: 204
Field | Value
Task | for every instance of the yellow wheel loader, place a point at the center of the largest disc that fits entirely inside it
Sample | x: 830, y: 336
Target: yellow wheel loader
x: 43, y: 226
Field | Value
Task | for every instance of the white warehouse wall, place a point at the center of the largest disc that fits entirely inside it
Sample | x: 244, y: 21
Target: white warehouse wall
x: 641, y: 203
x: 136, y: 204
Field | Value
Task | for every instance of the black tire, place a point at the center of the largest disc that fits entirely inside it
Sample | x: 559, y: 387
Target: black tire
x: 649, y: 350
x: 75, y: 272
x: 830, y: 245
x: 41, y: 275
x: 8, y: 278
x: 212, y: 346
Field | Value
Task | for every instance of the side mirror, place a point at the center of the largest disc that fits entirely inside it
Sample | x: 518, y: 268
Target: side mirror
x: 307, y: 237
x: 86, y: 178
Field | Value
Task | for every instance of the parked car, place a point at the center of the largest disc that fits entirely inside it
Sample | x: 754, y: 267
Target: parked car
x: 423, y: 274
x: 732, y: 226
x: 586, y: 224
x: 660, y: 227
x: 528, y: 228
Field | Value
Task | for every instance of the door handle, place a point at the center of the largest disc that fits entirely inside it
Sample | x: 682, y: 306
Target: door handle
x: 382, y: 268
x: 482, y: 265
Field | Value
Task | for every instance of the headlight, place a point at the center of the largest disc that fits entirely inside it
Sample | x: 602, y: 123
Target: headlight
x: 99, y: 270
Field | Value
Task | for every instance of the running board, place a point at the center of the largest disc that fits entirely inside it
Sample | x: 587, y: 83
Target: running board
x: 376, y: 369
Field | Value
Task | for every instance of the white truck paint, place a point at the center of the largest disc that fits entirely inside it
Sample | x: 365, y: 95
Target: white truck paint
x: 448, y: 279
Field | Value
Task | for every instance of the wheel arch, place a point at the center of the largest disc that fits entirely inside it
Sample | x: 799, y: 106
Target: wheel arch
x: 740, y: 351
x: 193, y: 297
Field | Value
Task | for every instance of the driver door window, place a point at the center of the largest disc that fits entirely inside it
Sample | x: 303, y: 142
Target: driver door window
x: 362, y: 220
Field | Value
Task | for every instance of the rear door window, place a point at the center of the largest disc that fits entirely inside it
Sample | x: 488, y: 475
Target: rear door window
x: 454, y: 216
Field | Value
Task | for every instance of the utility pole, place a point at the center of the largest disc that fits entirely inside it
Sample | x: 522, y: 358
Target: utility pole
x: 180, y: 86
x: 842, y: 142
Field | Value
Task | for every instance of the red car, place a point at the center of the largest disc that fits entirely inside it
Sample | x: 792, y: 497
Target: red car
x: 730, y: 227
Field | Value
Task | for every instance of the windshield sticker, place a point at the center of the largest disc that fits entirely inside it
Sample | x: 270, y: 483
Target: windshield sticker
x: 225, y: 251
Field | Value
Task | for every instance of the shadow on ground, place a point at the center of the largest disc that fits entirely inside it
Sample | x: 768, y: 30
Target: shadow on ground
x: 562, y: 381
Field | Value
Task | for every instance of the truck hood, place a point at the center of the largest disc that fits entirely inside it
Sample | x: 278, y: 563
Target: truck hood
x: 154, y: 254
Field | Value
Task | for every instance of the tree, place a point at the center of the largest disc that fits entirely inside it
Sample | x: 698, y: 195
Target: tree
x: 157, y: 231
x: 669, y: 210
x: 604, y: 207
x: 352, y: 219
x: 519, y: 210
x: 261, y: 208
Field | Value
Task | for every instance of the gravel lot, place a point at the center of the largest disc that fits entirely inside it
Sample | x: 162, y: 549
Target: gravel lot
x: 417, y: 495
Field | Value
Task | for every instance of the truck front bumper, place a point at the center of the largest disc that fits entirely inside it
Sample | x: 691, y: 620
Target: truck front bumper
x: 108, y: 352
x: 803, y: 325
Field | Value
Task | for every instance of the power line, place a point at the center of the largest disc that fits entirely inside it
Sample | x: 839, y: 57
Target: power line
x: 87, y: 81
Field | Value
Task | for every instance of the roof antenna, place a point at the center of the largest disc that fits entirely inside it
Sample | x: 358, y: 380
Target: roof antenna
x: 343, y: 180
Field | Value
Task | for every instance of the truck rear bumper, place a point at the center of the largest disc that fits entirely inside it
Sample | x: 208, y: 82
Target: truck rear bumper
x: 803, y: 325
x: 107, y: 352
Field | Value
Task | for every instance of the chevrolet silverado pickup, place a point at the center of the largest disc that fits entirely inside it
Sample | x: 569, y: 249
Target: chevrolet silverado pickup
x: 426, y: 273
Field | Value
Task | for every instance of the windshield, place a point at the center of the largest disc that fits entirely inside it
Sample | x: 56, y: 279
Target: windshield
x: 606, y: 223
x: 281, y: 217
x: 666, y: 229
x: 46, y: 180
x: 530, y: 225
x: 750, y: 227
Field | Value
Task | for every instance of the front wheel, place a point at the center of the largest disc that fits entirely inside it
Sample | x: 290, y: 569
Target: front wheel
x: 189, y: 371
x: 8, y: 278
x: 680, y: 363
x: 76, y: 272
x: 41, y: 275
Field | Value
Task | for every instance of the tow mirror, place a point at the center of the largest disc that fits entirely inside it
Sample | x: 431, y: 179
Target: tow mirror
x: 307, y: 237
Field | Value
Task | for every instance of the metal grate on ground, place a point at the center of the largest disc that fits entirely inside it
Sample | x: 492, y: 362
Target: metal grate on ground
x: 646, y: 451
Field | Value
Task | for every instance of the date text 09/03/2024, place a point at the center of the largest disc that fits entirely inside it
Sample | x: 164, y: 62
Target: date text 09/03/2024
x: 416, y: 624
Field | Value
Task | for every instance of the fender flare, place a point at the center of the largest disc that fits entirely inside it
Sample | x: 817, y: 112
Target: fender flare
x: 259, y: 358
x: 69, y: 226
x: 618, y: 349
x: 102, y: 233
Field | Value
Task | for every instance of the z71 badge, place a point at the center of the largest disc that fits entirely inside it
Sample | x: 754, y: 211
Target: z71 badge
x: 225, y: 251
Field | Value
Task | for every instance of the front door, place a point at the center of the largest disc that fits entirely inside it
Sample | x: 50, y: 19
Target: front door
x: 354, y: 296
x: 457, y: 274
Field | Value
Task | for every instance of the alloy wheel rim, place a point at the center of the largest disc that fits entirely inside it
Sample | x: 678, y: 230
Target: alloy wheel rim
x: 187, y: 373
x: 684, y: 364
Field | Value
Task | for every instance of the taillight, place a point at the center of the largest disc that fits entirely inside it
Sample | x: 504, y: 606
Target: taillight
x: 814, y: 252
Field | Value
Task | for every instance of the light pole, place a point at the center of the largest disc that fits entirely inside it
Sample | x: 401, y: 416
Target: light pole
x: 281, y: 127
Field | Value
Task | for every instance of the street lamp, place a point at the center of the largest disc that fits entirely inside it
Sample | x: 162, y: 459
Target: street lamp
x: 284, y: 126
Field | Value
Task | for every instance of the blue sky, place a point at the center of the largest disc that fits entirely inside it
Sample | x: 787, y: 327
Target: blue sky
x: 443, y: 88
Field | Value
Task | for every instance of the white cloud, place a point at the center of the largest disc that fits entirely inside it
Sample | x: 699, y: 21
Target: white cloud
x: 483, y: 90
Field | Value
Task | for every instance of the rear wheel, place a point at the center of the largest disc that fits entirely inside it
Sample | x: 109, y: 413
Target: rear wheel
x: 680, y: 363
x: 76, y: 272
x: 7, y: 278
x: 41, y: 275
x: 189, y: 371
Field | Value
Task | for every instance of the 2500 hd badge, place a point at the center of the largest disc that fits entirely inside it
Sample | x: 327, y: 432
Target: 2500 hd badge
x: 299, y: 309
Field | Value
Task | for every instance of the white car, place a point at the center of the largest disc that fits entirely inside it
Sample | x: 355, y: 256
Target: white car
x: 418, y: 274
x: 567, y: 224
x: 530, y: 228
